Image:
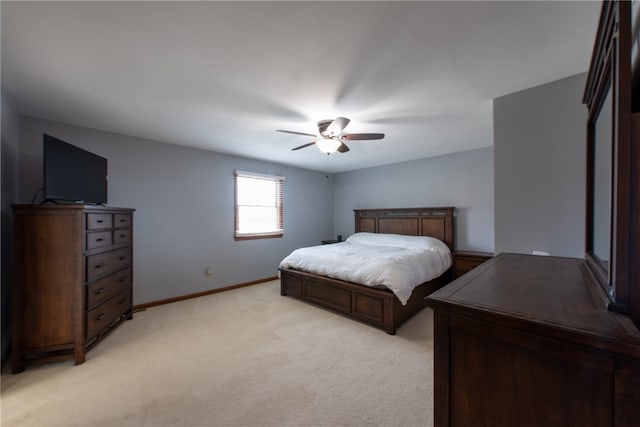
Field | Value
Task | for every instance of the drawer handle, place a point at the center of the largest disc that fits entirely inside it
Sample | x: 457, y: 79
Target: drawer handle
x: 103, y: 264
x: 100, y: 239
x: 122, y: 279
x: 100, y: 316
x: 99, y: 221
x: 122, y: 236
x: 122, y: 301
x: 101, y: 291
x: 122, y: 257
x: 123, y: 220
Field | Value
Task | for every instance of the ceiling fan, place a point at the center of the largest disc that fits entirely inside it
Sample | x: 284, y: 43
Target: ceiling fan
x: 331, y: 136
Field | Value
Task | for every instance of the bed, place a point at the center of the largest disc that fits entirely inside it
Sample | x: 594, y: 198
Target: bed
x: 379, y: 307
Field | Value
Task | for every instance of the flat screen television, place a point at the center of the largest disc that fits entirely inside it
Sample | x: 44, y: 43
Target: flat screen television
x: 72, y: 174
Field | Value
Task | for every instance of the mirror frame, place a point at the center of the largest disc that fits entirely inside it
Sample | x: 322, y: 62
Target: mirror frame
x: 604, y: 273
x: 611, y: 69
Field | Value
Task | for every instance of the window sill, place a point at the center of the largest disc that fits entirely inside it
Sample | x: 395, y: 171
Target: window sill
x: 258, y: 236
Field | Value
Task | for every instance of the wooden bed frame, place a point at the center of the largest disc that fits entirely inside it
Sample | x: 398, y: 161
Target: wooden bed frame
x: 377, y: 307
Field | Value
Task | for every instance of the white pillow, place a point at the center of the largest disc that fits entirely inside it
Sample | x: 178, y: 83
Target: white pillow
x: 397, y: 240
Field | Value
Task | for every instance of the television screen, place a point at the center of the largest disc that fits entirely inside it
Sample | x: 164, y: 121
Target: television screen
x: 73, y: 174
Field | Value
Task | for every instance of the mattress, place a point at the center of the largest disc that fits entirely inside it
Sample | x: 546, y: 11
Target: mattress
x: 398, y: 263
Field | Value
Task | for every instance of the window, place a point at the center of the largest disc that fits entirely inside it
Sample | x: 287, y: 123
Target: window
x: 258, y: 206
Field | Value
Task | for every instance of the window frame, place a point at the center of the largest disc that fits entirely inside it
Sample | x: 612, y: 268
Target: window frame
x: 279, y: 206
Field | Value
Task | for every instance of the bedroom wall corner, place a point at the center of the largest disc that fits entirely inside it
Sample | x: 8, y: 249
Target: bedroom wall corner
x: 540, y: 167
x: 9, y: 176
x: 463, y: 180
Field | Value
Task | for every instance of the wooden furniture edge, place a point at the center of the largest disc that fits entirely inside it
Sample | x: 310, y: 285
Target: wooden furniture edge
x: 479, y: 254
x: 385, y: 310
x: 441, y: 301
x: 378, y: 215
x: 465, y: 261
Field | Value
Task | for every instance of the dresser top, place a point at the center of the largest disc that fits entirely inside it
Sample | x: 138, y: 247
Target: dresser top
x: 70, y: 207
x: 550, y: 295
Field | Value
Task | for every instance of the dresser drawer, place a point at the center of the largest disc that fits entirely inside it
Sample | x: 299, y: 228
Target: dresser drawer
x: 98, y: 239
x: 465, y: 265
x: 106, y: 313
x: 104, y: 289
x: 122, y: 236
x: 463, y: 262
x: 96, y: 221
x: 122, y: 221
x: 108, y: 262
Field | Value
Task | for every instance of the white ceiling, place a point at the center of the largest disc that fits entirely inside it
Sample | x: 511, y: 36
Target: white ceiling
x: 223, y: 76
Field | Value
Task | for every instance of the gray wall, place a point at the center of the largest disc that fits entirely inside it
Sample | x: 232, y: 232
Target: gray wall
x: 9, y: 173
x: 184, y: 202
x: 463, y: 180
x: 540, y: 156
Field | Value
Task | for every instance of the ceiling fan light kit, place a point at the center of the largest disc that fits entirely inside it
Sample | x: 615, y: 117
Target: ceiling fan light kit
x: 331, y: 136
x: 328, y: 145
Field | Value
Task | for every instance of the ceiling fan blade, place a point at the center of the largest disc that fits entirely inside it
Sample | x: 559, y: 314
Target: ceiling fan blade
x: 338, y: 125
x: 343, y: 148
x: 362, y: 136
x: 303, y: 146
x: 296, y: 133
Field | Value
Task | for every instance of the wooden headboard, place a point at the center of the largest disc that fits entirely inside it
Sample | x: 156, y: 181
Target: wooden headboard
x: 432, y: 222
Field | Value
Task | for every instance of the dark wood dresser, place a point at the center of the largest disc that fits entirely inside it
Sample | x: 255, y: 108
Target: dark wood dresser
x: 525, y: 340
x: 73, y: 279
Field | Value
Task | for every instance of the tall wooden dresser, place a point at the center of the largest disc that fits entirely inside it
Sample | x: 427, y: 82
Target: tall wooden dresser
x: 73, y: 279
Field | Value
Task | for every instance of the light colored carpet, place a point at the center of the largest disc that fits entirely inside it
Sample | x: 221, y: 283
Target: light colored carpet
x: 246, y: 357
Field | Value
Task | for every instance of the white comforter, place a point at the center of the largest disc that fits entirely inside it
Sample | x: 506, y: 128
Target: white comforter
x: 400, y: 263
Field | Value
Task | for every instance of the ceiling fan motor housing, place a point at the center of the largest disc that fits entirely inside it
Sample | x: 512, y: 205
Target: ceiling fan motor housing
x: 323, y: 125
x: 331, y: 136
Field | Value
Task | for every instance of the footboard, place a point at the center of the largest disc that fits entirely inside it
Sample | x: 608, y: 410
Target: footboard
x: 377, y: 307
